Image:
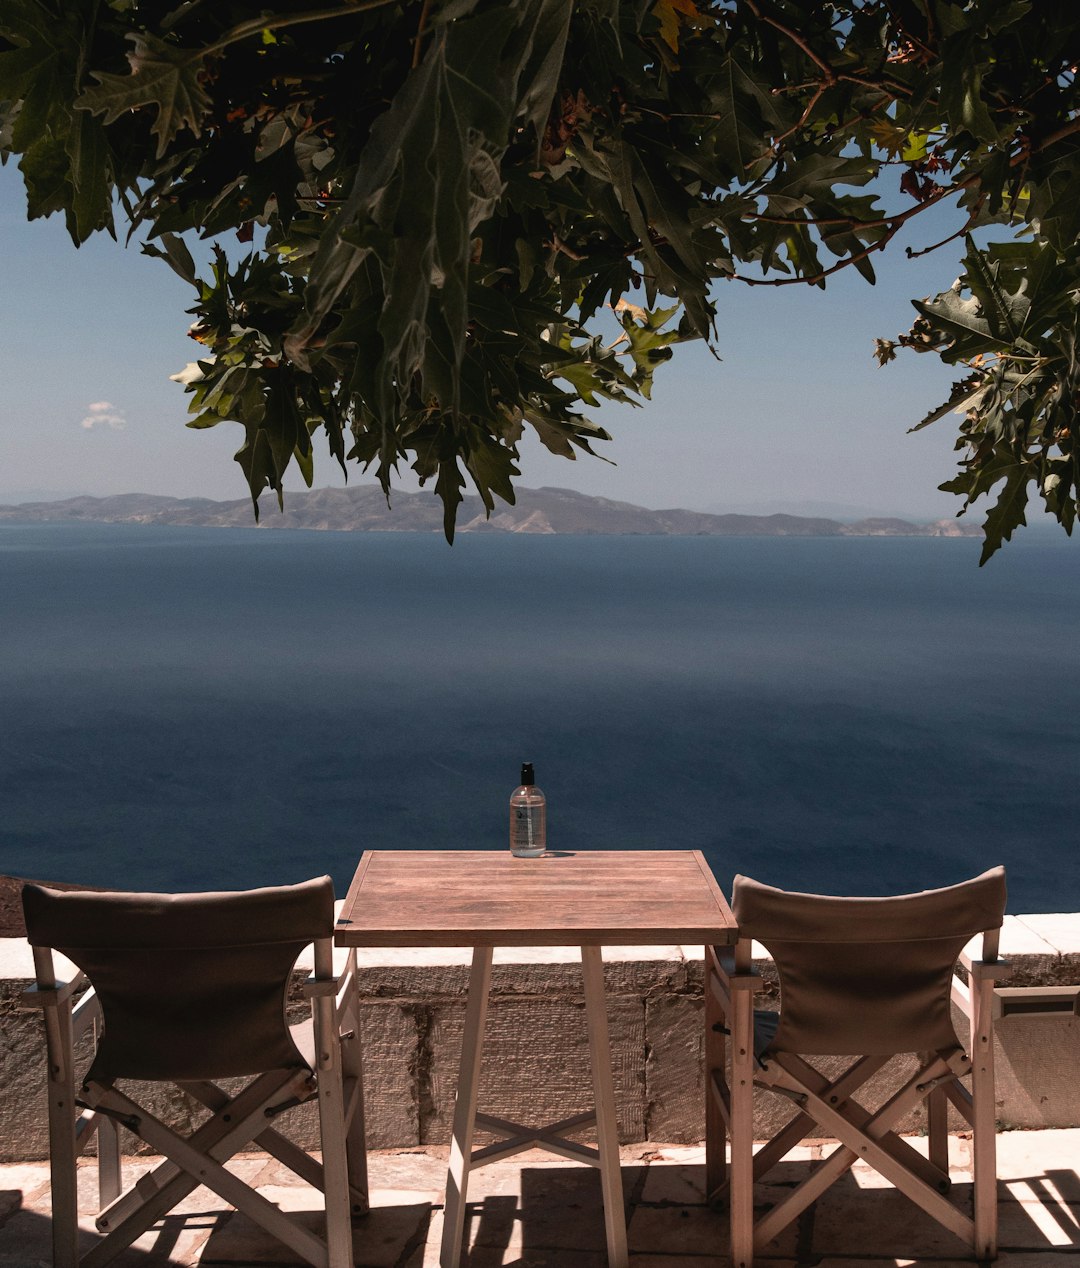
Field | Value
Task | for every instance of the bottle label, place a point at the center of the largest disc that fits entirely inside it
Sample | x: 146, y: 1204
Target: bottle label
x: 527, y: 834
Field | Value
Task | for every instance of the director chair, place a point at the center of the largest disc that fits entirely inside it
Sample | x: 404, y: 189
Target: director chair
x: 868, y: 979
x: 190, y: 990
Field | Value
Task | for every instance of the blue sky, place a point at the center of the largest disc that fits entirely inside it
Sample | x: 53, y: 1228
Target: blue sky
x: 796, y: 416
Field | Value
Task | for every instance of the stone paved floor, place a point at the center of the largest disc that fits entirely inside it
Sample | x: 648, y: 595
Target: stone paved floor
x: 537, y: 1211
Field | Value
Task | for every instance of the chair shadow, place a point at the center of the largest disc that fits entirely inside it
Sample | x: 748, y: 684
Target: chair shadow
x: 559, y: 1219
x: 26, y: 1236
x: 226, y: 1236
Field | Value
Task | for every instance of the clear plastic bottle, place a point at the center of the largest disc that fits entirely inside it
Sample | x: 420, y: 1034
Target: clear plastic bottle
x: 528, y: 817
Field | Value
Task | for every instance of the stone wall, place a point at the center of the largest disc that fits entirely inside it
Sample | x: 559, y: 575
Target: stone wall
x: 536, y: 1065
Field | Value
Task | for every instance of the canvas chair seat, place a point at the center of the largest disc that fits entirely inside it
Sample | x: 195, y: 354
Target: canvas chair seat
x: 865, y: 980
x: 190, y: 990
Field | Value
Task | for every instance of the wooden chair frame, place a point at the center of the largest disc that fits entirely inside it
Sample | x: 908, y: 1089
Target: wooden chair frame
x: 79, y: 1112
x: 732, y: 1076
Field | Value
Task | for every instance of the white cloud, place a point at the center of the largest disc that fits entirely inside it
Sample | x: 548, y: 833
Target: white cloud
x: 103, y: 414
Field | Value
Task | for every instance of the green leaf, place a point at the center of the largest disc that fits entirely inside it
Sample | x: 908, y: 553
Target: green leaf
x: 960, y: 320
x: 1008, y: 512
x: 164, y: 77
x: 90, y: 176
x: 745, y: 112
x: 176, y: 255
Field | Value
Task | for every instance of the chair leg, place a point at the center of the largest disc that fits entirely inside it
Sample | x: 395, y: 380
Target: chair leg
x: 984, y: 1143
x: 335, y: 1167
x: 353, y: 1071
x: 742, y: 1131
x: 937, y: 1130
x: 108, y: 1150
x: 331, y: 1094
x: 472, y: 1046
x: 607, y: 1127
x: 63, y: 1149
x: 716, y: 1134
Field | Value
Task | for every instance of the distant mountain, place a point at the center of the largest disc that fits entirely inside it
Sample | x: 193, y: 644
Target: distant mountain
x: 363, y: 509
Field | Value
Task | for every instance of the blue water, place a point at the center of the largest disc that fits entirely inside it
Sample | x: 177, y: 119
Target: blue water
x: 215, y: 708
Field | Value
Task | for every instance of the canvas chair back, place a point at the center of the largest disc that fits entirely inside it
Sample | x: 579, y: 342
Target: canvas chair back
x: 863, y: 976
x: 192, y: 986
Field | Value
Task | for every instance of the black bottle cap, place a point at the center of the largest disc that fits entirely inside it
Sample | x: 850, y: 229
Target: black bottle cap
x: 527, y: 776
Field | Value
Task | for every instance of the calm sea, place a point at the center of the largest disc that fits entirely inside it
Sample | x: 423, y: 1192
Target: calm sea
x: 186, y: 708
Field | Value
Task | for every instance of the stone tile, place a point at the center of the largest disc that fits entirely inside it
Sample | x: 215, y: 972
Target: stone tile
x: 675, y: 1184
x: 897, y: 1261
x: 418, y: 1170
x: 866, y: 1177
x: 548, y: 1208
x: 676, y: 1260
x: 26, y: 1241
x: 683, y: 1182
x: 1035, y: 1259
x: 1039, y: 1222
x: 850, y: 1220
x: 1019, y: 937
x: 516, y: 1257
x: 497, y: 1254
x: 1053, y: 1188
x: 1061, y: 930
x: 1023, y: 1154
x: 1031, y: 1259
x: 687, y: 1230
x: 29, y: 1180
x: 379, y: 1239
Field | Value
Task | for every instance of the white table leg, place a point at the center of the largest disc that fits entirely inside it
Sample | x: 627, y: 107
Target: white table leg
x: 607, y: 1128
x: 472, y: 1046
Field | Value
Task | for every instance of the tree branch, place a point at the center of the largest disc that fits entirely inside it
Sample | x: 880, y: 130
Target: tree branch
x: 420, y: 28
x: 272, y: 23
x: 796, y: 39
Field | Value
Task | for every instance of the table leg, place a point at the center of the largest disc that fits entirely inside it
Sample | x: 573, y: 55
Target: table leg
x: 607, y: 1128
x: 472, y: 1046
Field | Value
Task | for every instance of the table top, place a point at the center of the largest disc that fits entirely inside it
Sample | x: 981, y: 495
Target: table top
x: 455, y: 898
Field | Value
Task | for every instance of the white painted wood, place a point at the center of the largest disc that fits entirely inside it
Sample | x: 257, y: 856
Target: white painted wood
x: 472, y: 1048
x: 607, y: 1127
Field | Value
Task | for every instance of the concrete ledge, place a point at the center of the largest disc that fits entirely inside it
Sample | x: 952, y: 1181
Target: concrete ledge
x: 536, y: 1058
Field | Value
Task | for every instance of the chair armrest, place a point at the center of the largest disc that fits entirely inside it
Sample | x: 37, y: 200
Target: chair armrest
x: 314, y: 986
x: 983, y: 970
x: 35, y: 997
x: 738, y: 979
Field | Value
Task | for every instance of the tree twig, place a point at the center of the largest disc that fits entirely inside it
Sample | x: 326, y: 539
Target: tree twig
x: 796, y: 39
x: 275, y: 22
x: 418, y: 40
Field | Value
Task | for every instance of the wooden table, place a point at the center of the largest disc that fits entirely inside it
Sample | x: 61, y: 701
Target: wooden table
x: 485, y: 899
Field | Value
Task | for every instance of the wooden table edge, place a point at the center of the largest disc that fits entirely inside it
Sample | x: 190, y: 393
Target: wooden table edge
x: 725, y: 933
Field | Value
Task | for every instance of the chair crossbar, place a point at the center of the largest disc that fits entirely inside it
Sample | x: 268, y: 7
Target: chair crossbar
x: 552, y: 1139
x: 86, y: 1127
x: 198, y: 1160
x: 838, y: 1093
x: 878, y: 1125
x: 720, y: 994
x: 867, y: 1145
x: 298, y: 1160
x: 720, y: 1096
x: 168, y: 1183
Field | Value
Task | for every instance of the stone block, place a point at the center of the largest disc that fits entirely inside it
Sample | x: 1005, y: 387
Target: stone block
x: 674, y: 1072
x: 536, y: 1063
x: 1038, y: 1071
x: 390, y: 1044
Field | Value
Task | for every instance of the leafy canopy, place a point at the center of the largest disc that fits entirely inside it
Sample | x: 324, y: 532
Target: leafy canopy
x: 451, y: 202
